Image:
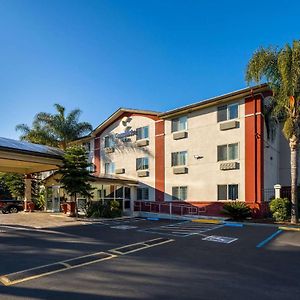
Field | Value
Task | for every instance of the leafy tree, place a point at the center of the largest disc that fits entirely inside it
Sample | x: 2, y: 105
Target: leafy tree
x: 75, y: 173
x: 15, y: 184
x: 281, y: 69
x: 56, y: 130
x: 4, y: 191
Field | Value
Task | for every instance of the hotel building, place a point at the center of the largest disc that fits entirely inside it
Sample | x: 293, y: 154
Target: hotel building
x: 200, y: 155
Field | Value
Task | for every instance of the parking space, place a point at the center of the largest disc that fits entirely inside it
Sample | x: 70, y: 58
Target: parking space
x: 144, y: 259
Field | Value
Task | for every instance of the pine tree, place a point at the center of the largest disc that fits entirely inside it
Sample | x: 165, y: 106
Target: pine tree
x: 75, y: 174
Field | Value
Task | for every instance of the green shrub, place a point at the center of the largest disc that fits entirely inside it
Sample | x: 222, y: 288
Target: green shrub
x: 107, y: 209
x: 237, y: 210
x: 280, y: 209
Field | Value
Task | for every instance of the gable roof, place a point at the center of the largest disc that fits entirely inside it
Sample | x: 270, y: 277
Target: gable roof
x: 119, y: 113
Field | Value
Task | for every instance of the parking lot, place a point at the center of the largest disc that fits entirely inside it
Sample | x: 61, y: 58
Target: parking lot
x: 148, y: 259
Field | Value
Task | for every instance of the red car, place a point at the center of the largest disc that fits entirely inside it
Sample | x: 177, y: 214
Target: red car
x: 11, y: 206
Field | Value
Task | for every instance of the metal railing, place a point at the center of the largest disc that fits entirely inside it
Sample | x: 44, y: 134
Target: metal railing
x: 268, y: 194
x: 168, y: 208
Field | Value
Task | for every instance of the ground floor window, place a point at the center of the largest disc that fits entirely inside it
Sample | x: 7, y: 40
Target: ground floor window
x: 228, y: 192
x: 179, y: 193
x: 142, y: 194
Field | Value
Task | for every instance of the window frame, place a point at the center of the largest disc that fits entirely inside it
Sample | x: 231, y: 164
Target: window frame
x: 113, y: 168
x: 143, y: 137
x: 179, y: 193
x: 177, y: 152
x: 228, y: 111
x: 142, y: 191
x: 142, y: 158
x: 227, y: 152
x: 228, y: 191
x: 177, y: 119
x: 111, y: 141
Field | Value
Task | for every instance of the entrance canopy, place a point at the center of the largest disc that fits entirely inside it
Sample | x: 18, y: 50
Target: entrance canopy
x: 26, y: 158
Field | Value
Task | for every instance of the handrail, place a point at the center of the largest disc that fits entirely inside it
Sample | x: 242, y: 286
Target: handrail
x: 168, y: 207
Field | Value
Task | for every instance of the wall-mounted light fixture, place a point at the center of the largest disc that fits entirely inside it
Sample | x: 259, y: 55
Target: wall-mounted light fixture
x: 198, y: 156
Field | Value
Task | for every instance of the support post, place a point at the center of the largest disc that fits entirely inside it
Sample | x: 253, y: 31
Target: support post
x: 27, y: 198
x: 277, y: 188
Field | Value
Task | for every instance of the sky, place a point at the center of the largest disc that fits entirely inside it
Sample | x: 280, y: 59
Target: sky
x: 102, y: 55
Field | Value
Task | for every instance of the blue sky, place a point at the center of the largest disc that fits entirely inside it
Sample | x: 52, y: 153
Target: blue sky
x: 102, y: 55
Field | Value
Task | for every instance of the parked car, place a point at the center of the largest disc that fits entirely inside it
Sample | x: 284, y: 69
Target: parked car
x: 11, y: 206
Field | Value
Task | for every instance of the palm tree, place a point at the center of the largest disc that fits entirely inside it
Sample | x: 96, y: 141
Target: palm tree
x: 55, y: 129
x: 281, y: 69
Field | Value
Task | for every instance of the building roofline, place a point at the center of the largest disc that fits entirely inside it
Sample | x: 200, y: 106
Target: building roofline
x: 113, y: 117
x: 24, y: 147
x: 216, y: 100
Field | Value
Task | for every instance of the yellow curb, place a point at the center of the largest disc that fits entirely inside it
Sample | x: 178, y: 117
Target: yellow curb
x: 289, y: 228
x: 208, y: 221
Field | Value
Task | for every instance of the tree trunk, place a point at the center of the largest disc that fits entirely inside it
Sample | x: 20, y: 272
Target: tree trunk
x: 76, y: 206
x: 294, y: 178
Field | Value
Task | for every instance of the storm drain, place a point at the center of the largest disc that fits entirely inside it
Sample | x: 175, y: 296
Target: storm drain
x: 41, y: 271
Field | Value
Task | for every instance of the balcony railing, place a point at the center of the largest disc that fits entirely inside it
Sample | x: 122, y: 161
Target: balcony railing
x: 168, y: 208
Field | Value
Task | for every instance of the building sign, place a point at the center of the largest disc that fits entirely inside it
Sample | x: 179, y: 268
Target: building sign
x: 125, y: 134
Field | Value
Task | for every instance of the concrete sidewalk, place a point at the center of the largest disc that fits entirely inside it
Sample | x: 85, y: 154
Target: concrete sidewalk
x: 38, y: 219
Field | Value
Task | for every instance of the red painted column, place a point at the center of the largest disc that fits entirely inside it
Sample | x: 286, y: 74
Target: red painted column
x: 159, y: 160
x: 97, y: 155
x: 254, y: 150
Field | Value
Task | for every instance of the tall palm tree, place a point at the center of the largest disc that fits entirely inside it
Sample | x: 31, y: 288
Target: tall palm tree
x: 281, y: 69
x: 56, y: 129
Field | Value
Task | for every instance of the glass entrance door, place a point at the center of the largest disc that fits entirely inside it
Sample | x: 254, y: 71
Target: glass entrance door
x: 55, y: 199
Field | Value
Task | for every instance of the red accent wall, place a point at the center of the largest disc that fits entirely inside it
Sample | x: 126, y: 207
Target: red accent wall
x: 254, y: 149
x: 160, y: 160
x: 97, y: 155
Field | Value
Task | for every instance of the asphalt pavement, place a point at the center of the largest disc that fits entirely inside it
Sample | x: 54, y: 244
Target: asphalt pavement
x: 143, y: 259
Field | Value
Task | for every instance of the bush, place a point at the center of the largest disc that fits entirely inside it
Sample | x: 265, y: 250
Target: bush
x: 280, y: 209
x: 108, y: 209
x: 237, y: 210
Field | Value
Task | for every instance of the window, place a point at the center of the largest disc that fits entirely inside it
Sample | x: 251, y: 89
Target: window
x: 142, y: 133
x: 142, y: 194
x: 142, y: 163
x: 87, y: 146
x: 228, y: 112
x: 179, y: 193
x: 127, y: 193
x: 108, y: 141
x: 109, y: 168
x: 179, y: 124
x: 228, y: 152
x: 179, y: 158
x: 228, y: 192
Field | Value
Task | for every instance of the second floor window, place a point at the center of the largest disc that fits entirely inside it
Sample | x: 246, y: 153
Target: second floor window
x: 228, y: 112
x: 228, y: 152
x: 179, y: 124
x: 142, y: 163
x: 179, y: 158
x: 87, y: 146
x: 108, y: 141
x: 109, y: 168
x: 142, y: 133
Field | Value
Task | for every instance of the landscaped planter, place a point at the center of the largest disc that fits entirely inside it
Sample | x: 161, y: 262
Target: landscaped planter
x: 29, y: 206
x: 71, y: 208
x: 64, y: 207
